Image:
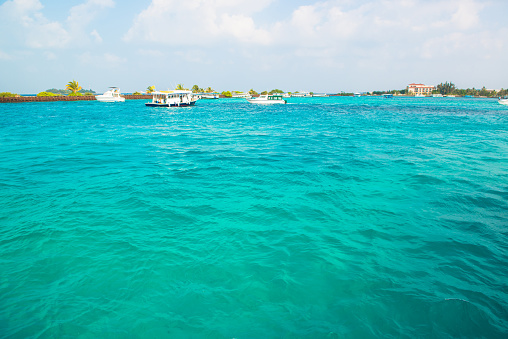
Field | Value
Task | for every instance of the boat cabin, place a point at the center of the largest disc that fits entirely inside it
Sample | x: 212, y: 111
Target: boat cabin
x: 177, y: 98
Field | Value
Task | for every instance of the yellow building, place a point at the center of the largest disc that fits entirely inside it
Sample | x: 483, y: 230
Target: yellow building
x: 419, y: 89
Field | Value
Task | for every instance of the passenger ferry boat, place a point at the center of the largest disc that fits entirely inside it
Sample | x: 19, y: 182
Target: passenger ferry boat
x: 267, y: 99
x: 176, y: 98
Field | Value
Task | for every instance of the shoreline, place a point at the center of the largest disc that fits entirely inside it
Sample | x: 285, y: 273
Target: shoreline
x: 149, y: 97
x: 64, y: 98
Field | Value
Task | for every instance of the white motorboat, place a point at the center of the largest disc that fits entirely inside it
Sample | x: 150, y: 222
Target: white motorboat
x: 267, y: 99
x: 320, y: 95
x: 113, y: 95
x: 176, y: 98
x: 503, y: 101
x: 209, y: 95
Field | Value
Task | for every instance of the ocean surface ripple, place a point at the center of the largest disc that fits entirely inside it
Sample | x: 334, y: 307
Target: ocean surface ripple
x: 322, y: 218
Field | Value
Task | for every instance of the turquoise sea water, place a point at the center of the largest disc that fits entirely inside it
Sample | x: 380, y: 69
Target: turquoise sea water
x: 323, y: 218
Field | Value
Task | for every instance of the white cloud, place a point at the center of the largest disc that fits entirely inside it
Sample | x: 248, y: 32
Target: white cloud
x: 81, y: 15
x: 101, y: 61
x: 96, y: 36
x: 459, y: 45
x: 194, y: 56
x: 5, y: 56
x: 200, y: 22
x: 21, y: 7
x: 332, y: 23
x: 151, y: 53
x: 113, y: 59
x: 25, y: 19
x: 49, y: 55
x: 243, y: 29
x: 466, y: 15
x: 330, y: 36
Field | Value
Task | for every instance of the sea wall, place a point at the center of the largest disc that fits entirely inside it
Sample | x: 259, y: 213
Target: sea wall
x: 65, y: 98
x: 129, y: 97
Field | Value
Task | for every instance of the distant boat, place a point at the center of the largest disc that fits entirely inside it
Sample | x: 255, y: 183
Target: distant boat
x: 209, y: 95
x: 388, y: 95
x: 241, y: 95
x: 437, y: 95
x: 113, y: 95
x: 301, y: 94
x: 503, y: 101
x: 267, y: 99
x: 357, y: 94
x: 320, y: 95
x: 176, y: 98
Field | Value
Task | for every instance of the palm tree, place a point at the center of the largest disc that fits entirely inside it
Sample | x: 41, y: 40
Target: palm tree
x: 195, y: 88
x: 209, y: 90
x: 73, y: 86
x: 179, y: 87
x: 150, y: 89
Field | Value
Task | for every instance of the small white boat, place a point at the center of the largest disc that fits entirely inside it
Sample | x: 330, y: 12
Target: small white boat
x: 176, y: 98
x: 357, y: 94
x: 302, y: 94
x: 267, y: 99
x: 241, y: 95
x: 113, y: 95
x: 437, y: 95
x: 209, y: 95
x: 503, y: 101
x: 321, y: 95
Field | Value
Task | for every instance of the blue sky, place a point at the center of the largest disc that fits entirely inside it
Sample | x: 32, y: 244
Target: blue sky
x: 321, y: 46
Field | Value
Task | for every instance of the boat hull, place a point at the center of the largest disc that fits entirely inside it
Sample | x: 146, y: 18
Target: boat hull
x: 152, y: 104
x: 109, y: 99
x: 503, y: 101
x: 266, y: 102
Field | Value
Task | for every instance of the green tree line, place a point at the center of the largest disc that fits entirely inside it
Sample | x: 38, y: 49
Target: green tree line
x: 449, y: 88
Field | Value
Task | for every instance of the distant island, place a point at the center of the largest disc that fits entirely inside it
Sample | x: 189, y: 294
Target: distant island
x: 444, y: 89
x: 67, y: 92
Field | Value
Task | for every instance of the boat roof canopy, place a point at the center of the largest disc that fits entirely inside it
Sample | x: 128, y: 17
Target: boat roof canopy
x: 172, y: 92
